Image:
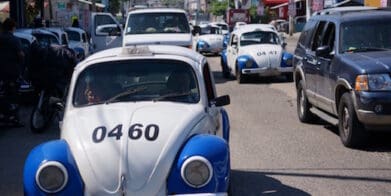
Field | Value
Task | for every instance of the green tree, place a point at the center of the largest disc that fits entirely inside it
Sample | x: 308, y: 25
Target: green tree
x: 218, y: 8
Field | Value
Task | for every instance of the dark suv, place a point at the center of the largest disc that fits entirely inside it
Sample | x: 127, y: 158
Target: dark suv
x: 342, y: 69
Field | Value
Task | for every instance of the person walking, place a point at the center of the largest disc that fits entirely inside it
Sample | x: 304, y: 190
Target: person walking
x: 12, y: 57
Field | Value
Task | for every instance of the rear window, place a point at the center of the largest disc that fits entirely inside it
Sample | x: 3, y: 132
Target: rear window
x: 73, y: 35
x: 150, y: 23
x: 136, y: 80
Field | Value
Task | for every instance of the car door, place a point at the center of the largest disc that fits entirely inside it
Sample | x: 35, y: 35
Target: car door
x: 106, y: 31
x: 212, y: 110
x: 232, y: 51
x: 325, y: 90
x: 310, y: 63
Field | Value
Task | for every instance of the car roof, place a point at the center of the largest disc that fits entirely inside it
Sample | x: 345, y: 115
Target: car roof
x: 254, y: 27
x: 24, y: 35
x: 157, y: 10
x: 143, y: 50
x: 353, y: 14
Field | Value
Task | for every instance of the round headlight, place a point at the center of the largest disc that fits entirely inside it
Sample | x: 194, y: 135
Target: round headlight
x: 249, y: 63
x: 51, y: 177
x: 196, y: 171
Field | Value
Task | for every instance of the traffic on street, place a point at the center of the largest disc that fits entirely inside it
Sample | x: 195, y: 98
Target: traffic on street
x: 166, y: 102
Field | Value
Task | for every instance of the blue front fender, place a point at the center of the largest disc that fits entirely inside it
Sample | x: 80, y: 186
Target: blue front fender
x: 216, y: 150
x: 287, y: 59
x: 59, y: 151
x: 242, y: 60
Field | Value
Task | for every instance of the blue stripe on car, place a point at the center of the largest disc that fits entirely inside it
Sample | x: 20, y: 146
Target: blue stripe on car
x: 213, y: 148
x: 59, y: 151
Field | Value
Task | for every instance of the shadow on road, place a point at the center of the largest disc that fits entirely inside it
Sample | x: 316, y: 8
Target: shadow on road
x: 251, y: 183
x: 376, y: 142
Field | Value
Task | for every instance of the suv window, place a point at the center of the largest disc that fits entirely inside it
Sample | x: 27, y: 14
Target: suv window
x: 305, y: 36
x: 317, y: 39
x: 147, y: 23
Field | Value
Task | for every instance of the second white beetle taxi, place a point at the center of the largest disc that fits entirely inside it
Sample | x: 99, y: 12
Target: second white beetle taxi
x: 257, y: 49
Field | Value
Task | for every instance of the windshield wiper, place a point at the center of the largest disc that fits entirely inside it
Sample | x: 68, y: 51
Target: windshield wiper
x: 125, y: 93
x: 171, y: 95
x: 366, y: 49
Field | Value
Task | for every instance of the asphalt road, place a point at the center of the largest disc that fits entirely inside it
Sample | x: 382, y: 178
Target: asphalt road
x: 271, y: 151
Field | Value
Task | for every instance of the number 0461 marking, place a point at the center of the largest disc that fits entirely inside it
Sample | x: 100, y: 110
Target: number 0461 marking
x: 135, y: 131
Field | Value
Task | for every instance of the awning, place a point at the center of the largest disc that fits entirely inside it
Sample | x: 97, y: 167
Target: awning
x: 273, y: 2
x: 90, y: 3
x: 283, y: 4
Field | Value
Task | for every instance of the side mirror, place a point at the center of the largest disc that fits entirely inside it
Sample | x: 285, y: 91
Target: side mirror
x: 221, y: 101
x: 196, y: 30
x: 323, y: 51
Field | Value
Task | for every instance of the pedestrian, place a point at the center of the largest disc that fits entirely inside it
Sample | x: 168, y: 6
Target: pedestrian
x: 75, y: 23
x: 12, y: 59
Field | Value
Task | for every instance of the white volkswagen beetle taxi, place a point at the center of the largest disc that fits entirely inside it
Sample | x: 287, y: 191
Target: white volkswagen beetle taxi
x: 140, y: 120
x: 210, y: 39
x: 257, y: 50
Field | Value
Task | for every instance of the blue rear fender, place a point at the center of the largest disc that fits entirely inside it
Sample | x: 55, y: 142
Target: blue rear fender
x: 57, y: 150
x: 213, y: 148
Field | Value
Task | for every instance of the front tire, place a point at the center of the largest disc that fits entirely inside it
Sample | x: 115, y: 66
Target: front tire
x: 303, y: 106
x: 351, y: 130
x: 239, y: 76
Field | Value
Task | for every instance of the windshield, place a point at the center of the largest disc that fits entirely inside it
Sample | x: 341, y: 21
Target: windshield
x: 73, y: 35
x: 137, y: 80
x: 150, y: 23
x: 259, y: 37
x: 366, y: 36
x: 210, y: 30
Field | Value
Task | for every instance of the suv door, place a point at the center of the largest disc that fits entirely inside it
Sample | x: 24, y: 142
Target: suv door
x: 326, y: 78
x: 310, y: 63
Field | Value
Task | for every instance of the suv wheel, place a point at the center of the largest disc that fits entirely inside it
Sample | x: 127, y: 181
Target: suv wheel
x: 303, y: 106
x: 351, y: 131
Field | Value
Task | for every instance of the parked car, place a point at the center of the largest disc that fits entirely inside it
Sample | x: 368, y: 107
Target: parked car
x: 257, y: 50
x: 342, y: 71
x: 28, y: 41
x: 210, y: 39
x: 158, y: 26
x: 140, y: 120
x: 45, y: 38
x: 78, y: 40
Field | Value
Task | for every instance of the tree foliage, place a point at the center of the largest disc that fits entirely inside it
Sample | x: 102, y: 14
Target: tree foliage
x: 218, y: 8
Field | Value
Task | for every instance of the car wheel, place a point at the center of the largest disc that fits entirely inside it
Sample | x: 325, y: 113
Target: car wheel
x: 303, y: 106
x: 239, y: 76
x: 351, y: 130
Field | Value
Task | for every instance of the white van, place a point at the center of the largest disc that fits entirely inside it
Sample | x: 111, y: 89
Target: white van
x: 105, y: 31
x: 157, y: 26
